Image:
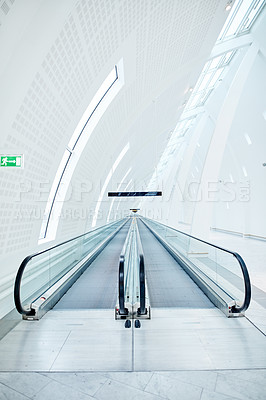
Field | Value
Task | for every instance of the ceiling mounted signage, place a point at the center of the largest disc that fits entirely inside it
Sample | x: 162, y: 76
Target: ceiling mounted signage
x: 133, y: 194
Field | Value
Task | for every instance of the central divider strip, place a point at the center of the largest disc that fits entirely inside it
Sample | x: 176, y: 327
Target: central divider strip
x: 133, y: 302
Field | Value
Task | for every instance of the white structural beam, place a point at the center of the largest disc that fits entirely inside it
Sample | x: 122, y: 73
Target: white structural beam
x: 231, y: 45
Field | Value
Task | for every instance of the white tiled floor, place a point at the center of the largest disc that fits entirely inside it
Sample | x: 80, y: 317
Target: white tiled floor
x: 185, y: 385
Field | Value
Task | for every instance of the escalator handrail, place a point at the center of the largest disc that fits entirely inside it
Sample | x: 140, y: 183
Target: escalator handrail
x: 27, y: 259
x: 121, y: 286
x: 247, y: 298
x: 121, y: 275
x: 142, y: 309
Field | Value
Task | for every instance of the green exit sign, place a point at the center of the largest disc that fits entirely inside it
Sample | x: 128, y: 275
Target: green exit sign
x: 11, y: 161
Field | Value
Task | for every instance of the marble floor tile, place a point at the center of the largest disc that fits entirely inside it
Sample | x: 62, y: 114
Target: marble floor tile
x: 240, y: 389
x: 139, y: 380
x: 208, y: 395
x: 58, y: 391
x: 118, y: 391
x: 9, y: 394
x: 87, y: 383
x: 27, y: 383
x: 252, y: 375
x: 203, y: 379
x: 172, y: 389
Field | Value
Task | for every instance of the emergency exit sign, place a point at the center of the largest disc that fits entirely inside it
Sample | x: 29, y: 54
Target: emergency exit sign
x: 11, y: 161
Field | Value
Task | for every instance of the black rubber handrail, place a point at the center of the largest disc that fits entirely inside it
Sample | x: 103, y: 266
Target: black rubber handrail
x: 247, y: 284
x: 121, y: 276
x: 121, y: 286
x: 25, y: 262
x: 142, y: 309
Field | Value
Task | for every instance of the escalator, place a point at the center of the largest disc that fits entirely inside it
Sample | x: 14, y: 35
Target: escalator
x: 158, y: 279
x: 98, y: 286
x: 157, y: 267
x: 168, y: 284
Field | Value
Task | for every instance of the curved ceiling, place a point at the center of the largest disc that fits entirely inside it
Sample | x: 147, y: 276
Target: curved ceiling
x: 55, y: 58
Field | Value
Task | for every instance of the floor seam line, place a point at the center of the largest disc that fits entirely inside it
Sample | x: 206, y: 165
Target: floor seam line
x: 15, y: 390
x: 255, y: 326
x: 60, y: 351
x: 133, y: 347
x: 148, y: 382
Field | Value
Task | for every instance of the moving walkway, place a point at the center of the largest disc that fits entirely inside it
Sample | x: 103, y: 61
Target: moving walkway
x: 157, y: 266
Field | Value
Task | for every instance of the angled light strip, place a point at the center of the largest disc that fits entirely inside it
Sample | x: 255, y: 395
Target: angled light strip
x: 107, y: 180
x: 104, y: 89
x: 54, y: 191
x: 97, y: 107
x: 121, y: 183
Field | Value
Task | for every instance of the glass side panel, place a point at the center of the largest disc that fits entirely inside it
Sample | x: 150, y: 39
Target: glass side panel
x: 218, y: 266
x: 45, y: 269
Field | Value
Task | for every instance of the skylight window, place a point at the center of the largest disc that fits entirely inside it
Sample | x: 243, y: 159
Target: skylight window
x: 211, y: 75
x: 241, y: 18
x: 97, y: 107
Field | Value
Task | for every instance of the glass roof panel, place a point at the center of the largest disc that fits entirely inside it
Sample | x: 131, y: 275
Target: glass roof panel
x: 205, y: 81
x: 228, y: 57
x: 241, y: 17
x: 216, y: 77
x: 215, y: 62
x: 253, y: 14
x: 241, y: 8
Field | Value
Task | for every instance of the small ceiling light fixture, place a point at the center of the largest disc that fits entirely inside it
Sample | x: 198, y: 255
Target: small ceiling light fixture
x: 228, y: 6
x: 190, y: 89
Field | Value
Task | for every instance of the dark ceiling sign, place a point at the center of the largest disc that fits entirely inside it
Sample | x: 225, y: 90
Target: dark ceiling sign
x: 133, y: 194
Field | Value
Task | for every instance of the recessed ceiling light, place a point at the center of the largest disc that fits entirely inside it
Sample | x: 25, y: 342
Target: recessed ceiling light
x: 228, y: 6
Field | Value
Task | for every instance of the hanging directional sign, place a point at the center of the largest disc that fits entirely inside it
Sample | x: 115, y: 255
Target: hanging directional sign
x: 11, y: 161
x: 133, y: 194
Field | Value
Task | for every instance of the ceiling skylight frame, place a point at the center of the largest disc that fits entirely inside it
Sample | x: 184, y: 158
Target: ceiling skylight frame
x: 97, y: 107
x: 239, y: 21
x: 206, y: 82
